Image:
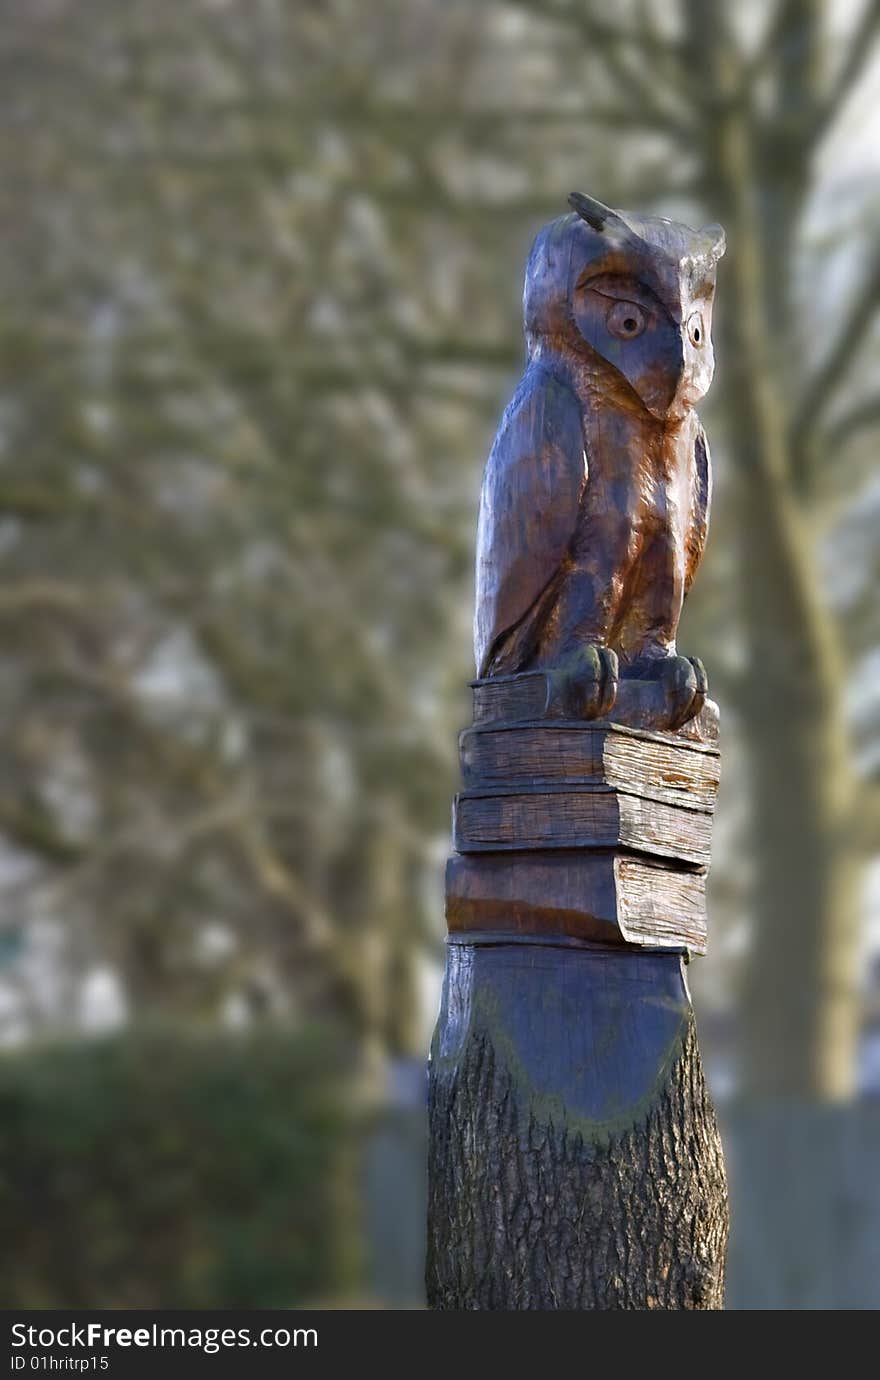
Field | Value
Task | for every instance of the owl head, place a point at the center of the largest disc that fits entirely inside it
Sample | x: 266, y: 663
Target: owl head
x: 637, y: 291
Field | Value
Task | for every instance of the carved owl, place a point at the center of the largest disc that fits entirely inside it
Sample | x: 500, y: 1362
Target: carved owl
x: 595, y: 499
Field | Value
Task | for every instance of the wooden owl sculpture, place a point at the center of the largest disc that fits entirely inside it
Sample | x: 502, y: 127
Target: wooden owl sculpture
x: 595, y: 500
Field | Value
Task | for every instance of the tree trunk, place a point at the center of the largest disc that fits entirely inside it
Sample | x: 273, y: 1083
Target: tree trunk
x: 575, y: 1161
x: 801, y: 989
x: 801, y: 993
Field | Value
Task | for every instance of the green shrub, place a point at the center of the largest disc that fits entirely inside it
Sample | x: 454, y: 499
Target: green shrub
x: 166, y: 1170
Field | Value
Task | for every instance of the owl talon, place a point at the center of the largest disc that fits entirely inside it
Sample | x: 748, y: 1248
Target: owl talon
x: 609, y: 681
x: 702, y: 687
x: 686, y: 685
x: 593, y: 683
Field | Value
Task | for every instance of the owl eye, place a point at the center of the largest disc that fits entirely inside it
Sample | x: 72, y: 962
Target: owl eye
x: 696, y: 330
x: 626, y: 320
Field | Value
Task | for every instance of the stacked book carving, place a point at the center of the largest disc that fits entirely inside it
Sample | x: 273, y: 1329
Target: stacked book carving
x: 589, y: 830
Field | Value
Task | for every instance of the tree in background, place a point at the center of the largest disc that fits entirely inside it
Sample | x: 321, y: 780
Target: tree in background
x: 728, y: 114
x: 258, y: 323
x: 225, y: 554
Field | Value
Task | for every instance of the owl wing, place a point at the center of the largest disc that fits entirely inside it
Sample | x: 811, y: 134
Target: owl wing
x: 534, y: 479
x: 699, y: 524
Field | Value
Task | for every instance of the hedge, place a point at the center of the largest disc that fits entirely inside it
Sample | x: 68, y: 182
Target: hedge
x: 160, y: 1169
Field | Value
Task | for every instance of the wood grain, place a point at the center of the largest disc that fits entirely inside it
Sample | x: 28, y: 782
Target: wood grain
x: 561, y: 694
x: 574, y: 1156
x: 585, y: 817
x: 610, y: 897
x: 574, y: 1159
x: 656, y: 765
x: 595, y: 500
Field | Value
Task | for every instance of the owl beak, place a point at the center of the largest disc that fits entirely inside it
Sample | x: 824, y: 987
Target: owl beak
x: 677, y: 410
x: 659, y: 382
x: 687, y: 395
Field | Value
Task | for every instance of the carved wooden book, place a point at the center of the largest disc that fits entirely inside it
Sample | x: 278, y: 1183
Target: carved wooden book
x: 541, y: 695
x: 563, y: 816
x: 575, y: 1161
x: 515, y: 755
x: 604, y: 896
x: 591, y: 830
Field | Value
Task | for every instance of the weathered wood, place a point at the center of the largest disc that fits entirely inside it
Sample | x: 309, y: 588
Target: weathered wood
x: 595, y: 499
x: 564, y: 816
x: 612, y: 802
x: 568, y: 694
x: 665, y: 766
x: 607, y: 896
x: 574, y: 1159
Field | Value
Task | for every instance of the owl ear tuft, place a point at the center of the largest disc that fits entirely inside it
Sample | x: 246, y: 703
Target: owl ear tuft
x: 593, y: 212
x: 717, y: 240
x: 601, y: 218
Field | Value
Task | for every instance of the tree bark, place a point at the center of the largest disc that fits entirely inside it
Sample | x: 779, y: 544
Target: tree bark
x: 800, y: 1037
x: 800, y: 987
x: 575, y: 1161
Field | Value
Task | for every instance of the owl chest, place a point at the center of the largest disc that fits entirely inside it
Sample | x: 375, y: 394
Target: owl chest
x: 640, y: 490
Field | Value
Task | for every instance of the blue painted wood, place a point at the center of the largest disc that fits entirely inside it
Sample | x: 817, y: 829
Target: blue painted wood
x: 589, y: 1028
x: 574, y: 1157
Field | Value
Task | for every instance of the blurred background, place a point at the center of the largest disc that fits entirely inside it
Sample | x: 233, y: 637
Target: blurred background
x: 259, y: 314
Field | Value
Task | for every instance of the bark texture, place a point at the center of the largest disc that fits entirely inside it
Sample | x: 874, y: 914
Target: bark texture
x: 545, y: 1201
x: 800, y: 1039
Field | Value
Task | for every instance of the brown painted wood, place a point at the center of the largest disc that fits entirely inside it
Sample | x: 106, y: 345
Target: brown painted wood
x: 629, y: 813
x: 563, y: 816
x: 657, y: 765
x: 575, y: 1161
x: 610, y: 897
x: 595, y: 500
x: 561, y: 694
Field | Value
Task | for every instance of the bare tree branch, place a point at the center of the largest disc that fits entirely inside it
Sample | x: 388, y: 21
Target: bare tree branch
x: 820, y: 388
x: 611, y: 44
x: 765, y: 54
x: 866, y: 818
x: 861, y: 49
x: 647, y: 38
x: 861, y: 417
x: 34, y: 831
